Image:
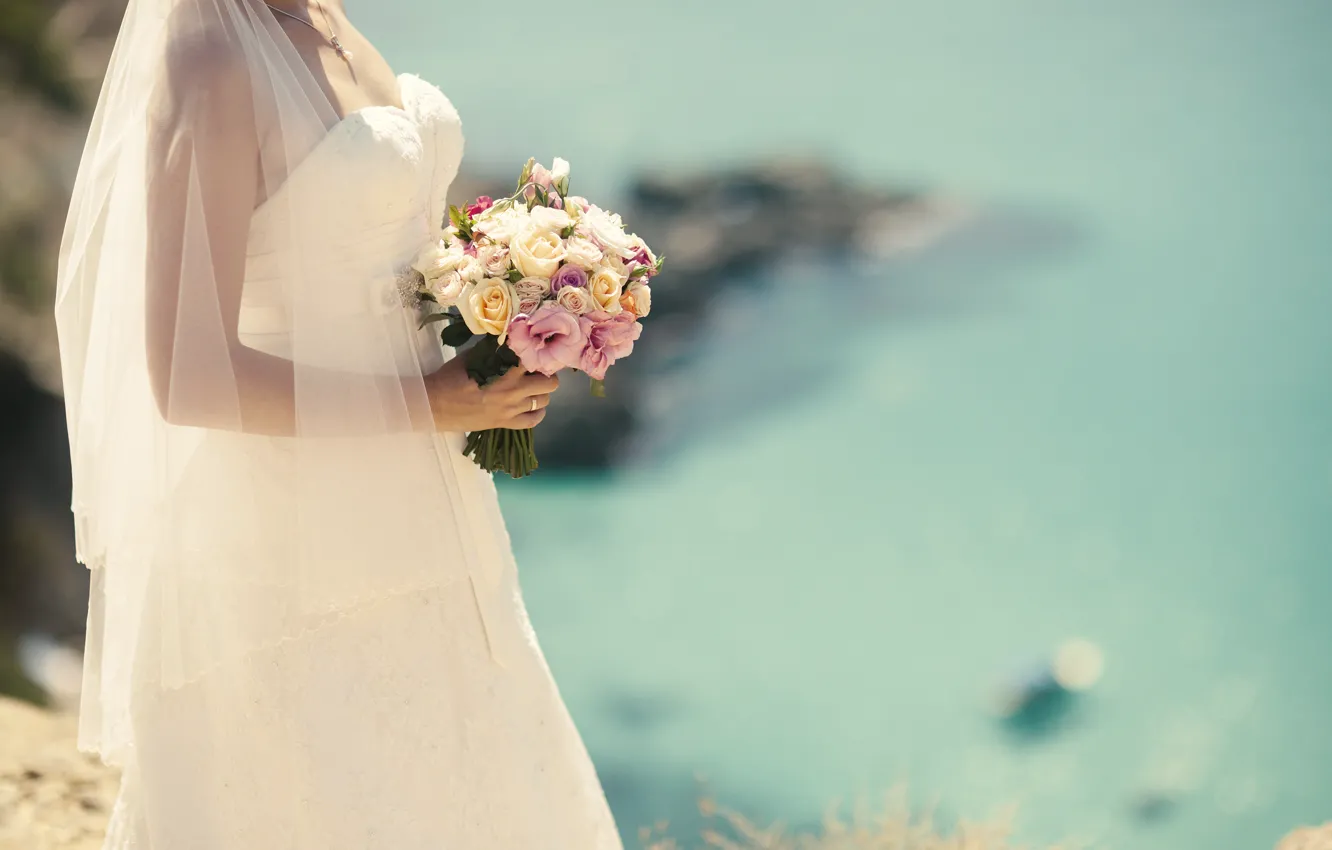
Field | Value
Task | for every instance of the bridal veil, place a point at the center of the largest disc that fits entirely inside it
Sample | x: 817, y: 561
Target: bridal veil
x: 176, y: 419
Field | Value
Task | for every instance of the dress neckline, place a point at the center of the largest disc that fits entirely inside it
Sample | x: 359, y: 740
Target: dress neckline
x: 356, y: 117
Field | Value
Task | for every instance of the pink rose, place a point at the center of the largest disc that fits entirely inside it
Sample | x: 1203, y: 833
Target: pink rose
x: 532, y: 289
x: 575, y: 299
x: 480, y: 205
x: 542, y: 176
x: 608, y: 339
x: 495, y: 260
x: 528, y: 306
x: 547, y: 341
x: 642, y: 256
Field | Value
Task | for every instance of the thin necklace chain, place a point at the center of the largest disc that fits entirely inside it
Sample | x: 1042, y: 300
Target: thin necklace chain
x: 331, y: 38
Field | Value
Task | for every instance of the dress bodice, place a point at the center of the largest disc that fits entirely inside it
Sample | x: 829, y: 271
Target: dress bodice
x: 365, y: 199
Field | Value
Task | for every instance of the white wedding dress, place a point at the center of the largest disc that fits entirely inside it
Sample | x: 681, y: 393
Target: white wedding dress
x: 422, y: 717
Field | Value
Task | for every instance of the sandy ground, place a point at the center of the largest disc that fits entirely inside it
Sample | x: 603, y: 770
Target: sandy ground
x: 51, y: 797
x: 1312, y: 838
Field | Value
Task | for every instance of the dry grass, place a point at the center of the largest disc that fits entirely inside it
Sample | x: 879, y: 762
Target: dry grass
x: 892, y: 826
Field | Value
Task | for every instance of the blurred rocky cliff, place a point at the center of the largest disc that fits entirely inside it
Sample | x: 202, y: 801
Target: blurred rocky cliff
x: 52, y: 57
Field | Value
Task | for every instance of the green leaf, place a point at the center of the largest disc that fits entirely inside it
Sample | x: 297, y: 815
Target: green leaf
x: 542, y: 196
x: 514, y: 275
x: 638, y: 272
x: 562, y: 186
x: 456, y: 335
x: 434, y: 317
x: 568, y: 231
x: 660, y: 261
x: 487, y: 360
x: 598, y: 388
x: 461, y: 220
x: 507, y: 358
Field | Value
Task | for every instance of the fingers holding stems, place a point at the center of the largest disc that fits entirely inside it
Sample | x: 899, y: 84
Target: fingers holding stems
x: 523, y: 397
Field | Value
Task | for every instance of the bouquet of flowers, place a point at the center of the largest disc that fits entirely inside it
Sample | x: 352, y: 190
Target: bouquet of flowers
x: 547, y: 281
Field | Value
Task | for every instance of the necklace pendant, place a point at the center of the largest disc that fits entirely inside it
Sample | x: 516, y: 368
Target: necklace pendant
x: 343, y: 53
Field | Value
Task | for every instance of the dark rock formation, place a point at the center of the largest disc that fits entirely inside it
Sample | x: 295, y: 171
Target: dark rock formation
x: 41, y: 587
x: 720, y: 232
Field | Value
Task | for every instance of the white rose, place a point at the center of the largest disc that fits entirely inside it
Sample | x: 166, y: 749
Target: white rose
x: 640, y: 297
x: 494, y: 259
x: 487, y: 306
x: 559, y: 169
x: 582, y: 252
x: 446, y: 288
x: 502, y: 226
x: 549, y: 219
x: 616, y: 264
x: 536, y: 253
x: 430, y: 254
x: 608, y: 229
x: 470, y: 269
x: 575, y: 299
x: 605, y: 287
x: 532, y: 287
x: 440, y: 259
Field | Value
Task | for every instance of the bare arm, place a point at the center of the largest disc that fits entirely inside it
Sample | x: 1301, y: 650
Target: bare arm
x: 203, y: 177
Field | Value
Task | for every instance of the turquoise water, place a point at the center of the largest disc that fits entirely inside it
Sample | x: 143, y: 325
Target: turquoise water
x: 1123, y: 435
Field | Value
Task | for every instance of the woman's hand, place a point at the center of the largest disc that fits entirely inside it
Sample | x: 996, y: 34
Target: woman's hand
x: 515, y: 400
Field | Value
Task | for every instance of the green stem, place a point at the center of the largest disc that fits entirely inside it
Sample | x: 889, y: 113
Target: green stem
x: 504, y: 450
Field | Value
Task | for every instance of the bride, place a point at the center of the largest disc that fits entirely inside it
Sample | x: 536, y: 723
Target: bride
x: 306, y: 630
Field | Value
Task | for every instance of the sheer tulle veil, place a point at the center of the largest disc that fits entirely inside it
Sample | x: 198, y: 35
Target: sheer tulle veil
x: 204, y: 123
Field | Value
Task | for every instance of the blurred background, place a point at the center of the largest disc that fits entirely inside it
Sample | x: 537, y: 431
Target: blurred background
x: 979, y: 438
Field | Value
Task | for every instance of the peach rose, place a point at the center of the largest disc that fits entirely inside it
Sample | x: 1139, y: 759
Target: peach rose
x: 605, y: 287
x: 488, y: 306
x: 637, y: 299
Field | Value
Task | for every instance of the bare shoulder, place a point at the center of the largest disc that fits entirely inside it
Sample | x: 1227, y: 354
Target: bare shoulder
x: 206, y: 76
